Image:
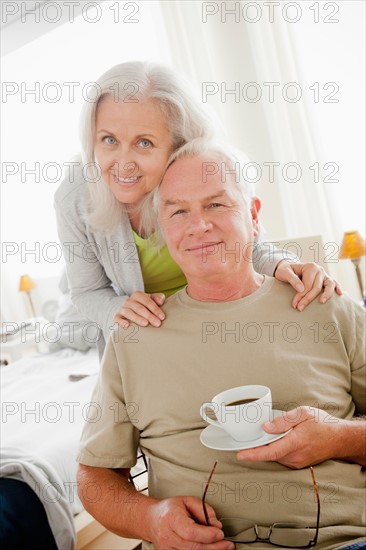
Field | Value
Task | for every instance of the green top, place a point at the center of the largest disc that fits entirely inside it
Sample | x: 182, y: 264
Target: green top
x: 159, y: 270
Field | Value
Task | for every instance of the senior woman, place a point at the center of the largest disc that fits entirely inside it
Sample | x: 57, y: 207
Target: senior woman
x: 142, y: 114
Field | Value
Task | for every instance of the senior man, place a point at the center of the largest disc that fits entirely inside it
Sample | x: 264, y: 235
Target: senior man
x: 229, y: 327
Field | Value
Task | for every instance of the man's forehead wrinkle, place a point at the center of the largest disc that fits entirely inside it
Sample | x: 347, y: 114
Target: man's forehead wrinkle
x: 174, y: 201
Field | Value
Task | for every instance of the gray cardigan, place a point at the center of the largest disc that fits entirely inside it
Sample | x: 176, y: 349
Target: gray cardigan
x: 103, y: 269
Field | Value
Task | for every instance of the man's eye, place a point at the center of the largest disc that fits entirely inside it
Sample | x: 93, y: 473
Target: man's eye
x: 177, y: 212
x: 215, y: 205
x: 145, y: 143
x: 109, y: 140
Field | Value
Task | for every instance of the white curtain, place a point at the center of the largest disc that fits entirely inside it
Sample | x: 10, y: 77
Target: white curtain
x: 232, y: 52
x: 228, y: 51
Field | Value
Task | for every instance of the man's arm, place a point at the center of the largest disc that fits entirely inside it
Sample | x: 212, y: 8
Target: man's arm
x: 355, y: 438
x: 169, y: 524
x: 115, y: 493
x: 316, y: 436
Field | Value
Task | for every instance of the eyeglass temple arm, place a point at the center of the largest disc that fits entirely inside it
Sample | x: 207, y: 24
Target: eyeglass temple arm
x: 205, y: 493
x: 315, y: 485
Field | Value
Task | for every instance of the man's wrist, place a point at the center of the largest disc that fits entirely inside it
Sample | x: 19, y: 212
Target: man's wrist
x: 351, y: 439
x: 150, y: 514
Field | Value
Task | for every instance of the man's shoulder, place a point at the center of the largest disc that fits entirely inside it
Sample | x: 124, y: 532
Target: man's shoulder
x: 174, y: 300
x: 337, y: 307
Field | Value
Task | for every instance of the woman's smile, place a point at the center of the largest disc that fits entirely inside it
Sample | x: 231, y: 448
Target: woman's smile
x: 132, y: 145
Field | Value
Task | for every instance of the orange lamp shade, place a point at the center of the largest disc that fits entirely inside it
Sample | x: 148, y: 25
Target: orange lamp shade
x: 352, y: 246
x: 26, y: 284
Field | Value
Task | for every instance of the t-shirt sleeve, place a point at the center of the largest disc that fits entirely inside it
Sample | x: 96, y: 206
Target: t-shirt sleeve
x: 109, y: 438
x: 358, y: 359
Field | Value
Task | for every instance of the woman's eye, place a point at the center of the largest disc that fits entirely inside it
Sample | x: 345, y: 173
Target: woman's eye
x: 109, y: 140
x: 145, y: 143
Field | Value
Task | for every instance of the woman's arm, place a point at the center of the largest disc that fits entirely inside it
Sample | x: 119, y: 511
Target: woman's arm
x: 308, y: 279
x: 266, y: 257
x: 314, y: 279
x: 90, y: 289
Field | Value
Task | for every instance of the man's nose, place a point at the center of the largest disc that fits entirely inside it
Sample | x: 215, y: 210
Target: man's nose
x: 199, y: 223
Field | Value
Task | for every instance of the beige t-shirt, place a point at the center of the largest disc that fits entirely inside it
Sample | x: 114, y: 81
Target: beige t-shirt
x: 153, y: 382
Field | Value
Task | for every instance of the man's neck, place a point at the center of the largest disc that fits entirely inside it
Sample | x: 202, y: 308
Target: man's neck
x: 224, y: 290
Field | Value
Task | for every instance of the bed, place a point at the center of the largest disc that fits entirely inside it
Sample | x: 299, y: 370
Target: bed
x: 45, y: 402
x: 45, y: 398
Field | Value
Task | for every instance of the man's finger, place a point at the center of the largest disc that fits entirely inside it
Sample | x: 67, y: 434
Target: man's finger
x: 195, y: 508
x: 193, y: 532
x: 269, y: 453
x: 287, y: 420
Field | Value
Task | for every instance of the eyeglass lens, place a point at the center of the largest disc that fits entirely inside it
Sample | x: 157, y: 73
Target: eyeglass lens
x: 285, y: 534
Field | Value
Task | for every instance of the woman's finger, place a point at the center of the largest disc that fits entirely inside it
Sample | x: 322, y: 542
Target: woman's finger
x: 313, y: 287
x: 149, y: 301
x: 142, y: 309
x: 329, y: 288
x: 139, y: 314
x: 158, y: 297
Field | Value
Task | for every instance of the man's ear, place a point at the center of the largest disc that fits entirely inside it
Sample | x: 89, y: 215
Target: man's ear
x: 254, y: 209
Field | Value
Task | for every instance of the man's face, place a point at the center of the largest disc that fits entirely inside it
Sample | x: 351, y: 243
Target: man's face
x: 208, y: 225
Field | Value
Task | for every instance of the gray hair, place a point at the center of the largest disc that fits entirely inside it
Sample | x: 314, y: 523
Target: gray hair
x: 227, y: 158
x: 139, y: 81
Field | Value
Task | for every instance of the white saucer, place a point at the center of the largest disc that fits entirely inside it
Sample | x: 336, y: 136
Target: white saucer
x: 216, y: 438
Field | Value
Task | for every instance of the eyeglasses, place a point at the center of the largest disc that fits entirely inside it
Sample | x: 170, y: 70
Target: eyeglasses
x: 285, y: 535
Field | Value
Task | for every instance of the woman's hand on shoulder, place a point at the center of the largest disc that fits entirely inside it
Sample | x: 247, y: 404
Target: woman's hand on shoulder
x: 309, y: 280
x: 142, y: 309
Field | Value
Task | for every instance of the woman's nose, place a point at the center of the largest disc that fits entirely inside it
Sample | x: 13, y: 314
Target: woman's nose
x: 126, y: 164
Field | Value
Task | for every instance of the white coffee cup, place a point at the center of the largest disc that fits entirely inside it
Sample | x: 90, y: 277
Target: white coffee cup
x: 242, y: 421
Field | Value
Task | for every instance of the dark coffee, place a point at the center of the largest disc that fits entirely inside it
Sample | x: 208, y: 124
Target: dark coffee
x: 242, y: 402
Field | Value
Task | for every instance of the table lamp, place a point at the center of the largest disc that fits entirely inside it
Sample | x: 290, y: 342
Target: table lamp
x: 26, y: 285
x: 353, y: 246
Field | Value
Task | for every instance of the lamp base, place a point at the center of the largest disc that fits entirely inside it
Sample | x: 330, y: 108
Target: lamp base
x: 356, y: 263
x: 31, y: 305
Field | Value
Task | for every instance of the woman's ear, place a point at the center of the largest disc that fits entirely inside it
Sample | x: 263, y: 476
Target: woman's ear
x: 254, y: 209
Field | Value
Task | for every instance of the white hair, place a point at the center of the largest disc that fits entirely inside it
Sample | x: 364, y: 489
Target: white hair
x: 230, y: 161
x: 139, y: 81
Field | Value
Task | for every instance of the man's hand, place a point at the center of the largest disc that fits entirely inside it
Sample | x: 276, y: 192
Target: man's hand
x: 316, y: 436
x: 309, y: 280
x: 179, y: 523
x: 142, y: 309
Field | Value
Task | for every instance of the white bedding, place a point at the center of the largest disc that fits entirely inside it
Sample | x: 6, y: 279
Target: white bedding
x: 45, y: 402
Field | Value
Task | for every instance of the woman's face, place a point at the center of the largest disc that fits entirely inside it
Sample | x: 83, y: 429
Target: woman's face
x: 132, y: 145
